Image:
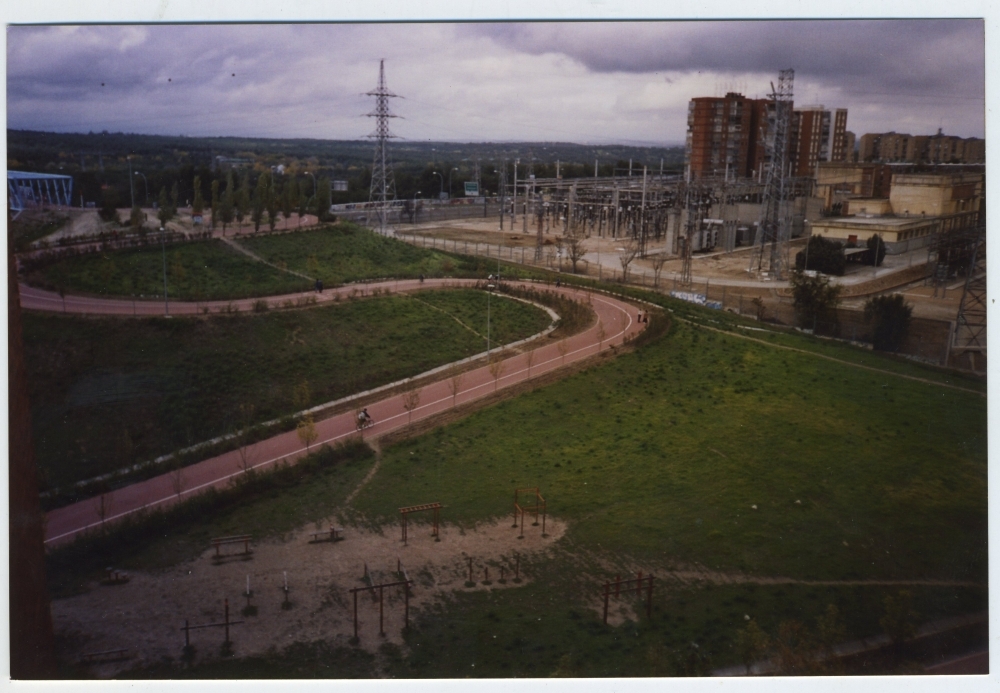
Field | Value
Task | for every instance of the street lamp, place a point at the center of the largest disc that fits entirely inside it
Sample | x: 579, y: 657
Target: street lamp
x: 163, y: 249
x: 449, y: 182
x: 441, y: 189
x: 131, y: 179
x: 145, y: 186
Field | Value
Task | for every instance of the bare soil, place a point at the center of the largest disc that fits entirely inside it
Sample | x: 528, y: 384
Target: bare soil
x: 146, y: 615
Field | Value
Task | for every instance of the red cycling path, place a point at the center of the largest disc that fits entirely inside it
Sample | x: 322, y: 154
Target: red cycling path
x: 616, y: 317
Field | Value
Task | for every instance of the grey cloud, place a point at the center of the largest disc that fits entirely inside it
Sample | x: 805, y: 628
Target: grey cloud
x: 896, y: 55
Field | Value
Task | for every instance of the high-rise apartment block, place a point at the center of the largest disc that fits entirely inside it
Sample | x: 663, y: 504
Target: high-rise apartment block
x: 728, y: 135
x: 817, y: 135
x: 922, y: 149
x: 723, y: 135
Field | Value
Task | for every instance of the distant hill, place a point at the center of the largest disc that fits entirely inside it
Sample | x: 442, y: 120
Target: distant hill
x: 101, y: 159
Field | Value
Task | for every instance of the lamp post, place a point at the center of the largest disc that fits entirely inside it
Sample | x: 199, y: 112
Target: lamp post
x: 131, y: 184
x: 163, y: 249
x: 414, y: 218
x: 314, y: 190
x: 441, y: 189
x: 449, y: 182
x: 145, y: 186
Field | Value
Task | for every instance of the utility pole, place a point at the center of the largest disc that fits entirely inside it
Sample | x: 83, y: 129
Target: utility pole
x: 595, y: 168
x: 383, y: 186
x: 513, y: 211
x: 131, y: 183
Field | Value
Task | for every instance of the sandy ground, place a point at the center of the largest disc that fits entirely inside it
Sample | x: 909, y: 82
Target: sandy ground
x: 146, y: 614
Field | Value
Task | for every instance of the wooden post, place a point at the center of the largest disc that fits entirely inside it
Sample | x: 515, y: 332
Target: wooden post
x: 381, y: 630
x: 486, y: 574
x: 607, y: 592
x: 355, y: 615
x: 649, y: 598
x: 406, y: 608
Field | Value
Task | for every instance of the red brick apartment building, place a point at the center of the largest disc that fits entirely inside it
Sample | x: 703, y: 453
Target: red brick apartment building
x: 728, y: 134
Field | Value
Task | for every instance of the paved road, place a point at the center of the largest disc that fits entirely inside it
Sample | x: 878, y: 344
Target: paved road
x: 617, y: 318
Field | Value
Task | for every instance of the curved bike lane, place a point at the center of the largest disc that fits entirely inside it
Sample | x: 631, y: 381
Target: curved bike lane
x: 616, y: 318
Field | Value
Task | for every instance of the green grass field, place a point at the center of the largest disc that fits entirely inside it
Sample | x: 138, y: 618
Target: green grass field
x: 110, y: 392
x: 661, y: 454
x: 345, y: 252
x: 655, y: 459
x: 197, y: 271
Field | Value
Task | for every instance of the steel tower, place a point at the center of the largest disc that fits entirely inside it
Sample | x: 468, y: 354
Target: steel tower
x: 773, y: 229
x: 970, y: 325
x: 383, y: 188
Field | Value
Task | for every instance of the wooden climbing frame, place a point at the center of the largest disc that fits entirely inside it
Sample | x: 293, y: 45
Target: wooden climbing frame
x: 436, y: 507
x: 381, y: 587
x: 628, y: 586
x: 520, y: 510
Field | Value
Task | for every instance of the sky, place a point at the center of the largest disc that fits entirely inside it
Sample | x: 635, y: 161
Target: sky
x: 586, y: 82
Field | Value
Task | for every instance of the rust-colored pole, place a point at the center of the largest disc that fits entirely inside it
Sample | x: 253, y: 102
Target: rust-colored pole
x: 486, y: 574
x: 649, y: 598
x: 355, y: 614
x: 381, y: 629
x: 607, y: 593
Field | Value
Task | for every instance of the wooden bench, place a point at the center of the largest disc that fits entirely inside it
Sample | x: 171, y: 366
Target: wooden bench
x: 115, y: 577
x: 332, y: 534
x: 105, y: 656
x: 219, y: 542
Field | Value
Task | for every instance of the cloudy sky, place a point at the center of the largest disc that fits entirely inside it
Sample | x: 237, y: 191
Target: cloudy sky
x: 592, y: 82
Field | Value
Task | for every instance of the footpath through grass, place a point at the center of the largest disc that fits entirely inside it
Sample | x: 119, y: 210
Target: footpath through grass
x: 110, y: 392
x: 196, y: 271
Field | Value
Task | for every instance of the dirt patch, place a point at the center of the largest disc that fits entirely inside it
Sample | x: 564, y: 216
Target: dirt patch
x: 146, y: 614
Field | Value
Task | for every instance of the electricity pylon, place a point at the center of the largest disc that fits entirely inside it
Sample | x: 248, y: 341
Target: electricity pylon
x: 383, y: 188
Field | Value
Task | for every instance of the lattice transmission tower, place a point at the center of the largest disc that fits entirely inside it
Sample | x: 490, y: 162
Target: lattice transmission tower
x: 970, y: 325
x: 383, y: 188
x: 773, y: 227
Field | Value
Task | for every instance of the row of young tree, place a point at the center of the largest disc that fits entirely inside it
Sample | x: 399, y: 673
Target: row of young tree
x: 236, y: 202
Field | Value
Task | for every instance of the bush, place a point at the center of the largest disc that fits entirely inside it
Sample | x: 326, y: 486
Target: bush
x: 815, y: 300
x: 891, y: 316
x: 824, y: 256
x: 876, y: 251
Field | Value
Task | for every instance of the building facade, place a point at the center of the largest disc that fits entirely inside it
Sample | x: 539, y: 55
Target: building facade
x: 922, y: 149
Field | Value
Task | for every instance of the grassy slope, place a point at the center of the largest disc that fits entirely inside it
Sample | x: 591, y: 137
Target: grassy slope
x: 170, y: 383
x: 625, y: 453
x: 204, y: 270
x: 661, y: 454
x: 345, y: 252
